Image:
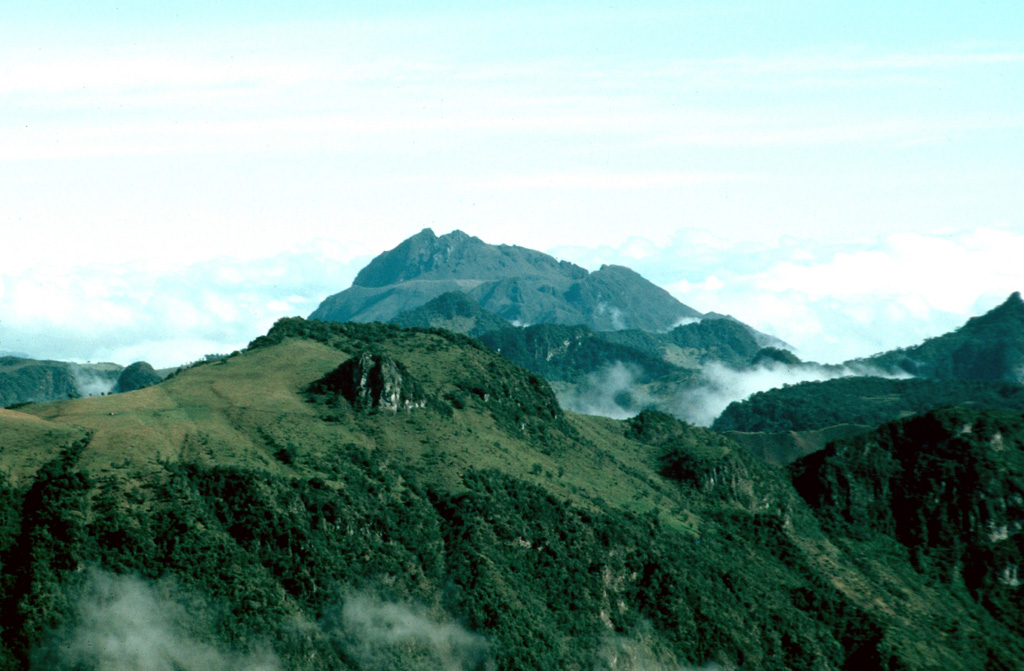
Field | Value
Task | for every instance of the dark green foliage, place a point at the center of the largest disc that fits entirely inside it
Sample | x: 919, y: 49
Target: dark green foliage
x: 773, y: 355
x: 948, y: 485
x: 136, y: 376
x: 658, y: 544
x: 725, y: 340
x: 989, y: 347
x: 349, y: 336
x: 860, y: 400
x: 570, y: 353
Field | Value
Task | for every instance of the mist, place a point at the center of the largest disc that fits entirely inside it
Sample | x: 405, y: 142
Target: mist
x: 612, y: 391
x: 384, y: 635
x: 122, y: 622
x: 91, y: 383
x: 723, y: 385
x: 616, y: 392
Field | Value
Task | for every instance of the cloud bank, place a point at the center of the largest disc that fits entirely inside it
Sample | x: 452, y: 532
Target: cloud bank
x: 833, y: 302
x: 167, y: 316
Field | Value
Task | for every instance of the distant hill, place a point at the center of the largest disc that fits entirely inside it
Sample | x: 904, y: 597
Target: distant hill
x: 454, y: 311
x: 989, y: 347
x: 24, y: 380
x: 345, y: 496
x: 979, y: 365
x: 861, y: 400
x: 137, y: 376
x: 517, y: 284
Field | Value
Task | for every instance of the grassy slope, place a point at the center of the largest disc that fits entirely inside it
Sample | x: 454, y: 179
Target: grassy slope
x: 735, y: 569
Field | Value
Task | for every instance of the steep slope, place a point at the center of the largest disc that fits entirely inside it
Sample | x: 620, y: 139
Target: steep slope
x: 515, y: 283
x: 358, y: 496
x: 948, y: 485
x: 988, y: 347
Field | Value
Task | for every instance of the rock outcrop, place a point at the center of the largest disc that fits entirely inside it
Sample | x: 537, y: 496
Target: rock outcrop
x: 373, y: 381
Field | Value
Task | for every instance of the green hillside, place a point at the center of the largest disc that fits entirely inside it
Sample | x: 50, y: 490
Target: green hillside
x: 454, y: 311
x: 987, y: 347
x: 359, y: 496
x: 861, y: 400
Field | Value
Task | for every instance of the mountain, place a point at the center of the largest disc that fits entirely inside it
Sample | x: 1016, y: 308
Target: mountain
x: 516, y: 284
x: 989, y: 347
x: 24, y: 380
x: 360, y: 496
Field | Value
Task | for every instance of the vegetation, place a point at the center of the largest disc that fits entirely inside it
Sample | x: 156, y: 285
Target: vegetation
x: 292, y: 523
x: 988, y: 347
x: 866, y: 401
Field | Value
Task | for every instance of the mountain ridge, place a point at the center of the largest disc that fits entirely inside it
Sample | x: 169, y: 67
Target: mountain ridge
x: 517, y: 284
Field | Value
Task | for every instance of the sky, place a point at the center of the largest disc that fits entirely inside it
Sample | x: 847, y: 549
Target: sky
x: 174, y: 177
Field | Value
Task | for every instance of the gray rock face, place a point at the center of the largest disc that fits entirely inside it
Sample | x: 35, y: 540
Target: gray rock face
x: 373, y: 381
x: 517, y: 284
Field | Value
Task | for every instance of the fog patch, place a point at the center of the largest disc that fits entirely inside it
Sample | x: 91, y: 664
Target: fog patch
x: 122, y: 622
x: 724, y: 385
x: 90, y: 382
x: 383, y: 635
x: 618, y: 323
x: 612, y: 391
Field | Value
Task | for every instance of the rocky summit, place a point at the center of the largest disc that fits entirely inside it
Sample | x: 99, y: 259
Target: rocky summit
x: 514, y: 283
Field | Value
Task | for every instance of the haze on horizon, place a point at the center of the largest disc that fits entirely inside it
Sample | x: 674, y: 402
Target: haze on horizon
x: 175, y: 177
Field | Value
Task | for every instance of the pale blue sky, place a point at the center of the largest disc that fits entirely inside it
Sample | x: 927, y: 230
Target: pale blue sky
x: 736, y: 153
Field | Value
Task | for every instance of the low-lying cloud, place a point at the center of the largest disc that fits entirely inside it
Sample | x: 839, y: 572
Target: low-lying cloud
x: 832, y: 302
x: 122, y: 622
x: 615, y: 390
x: 723, y: 385
x: 612, y: 391
x: 383, y: 635
x: 167, y: 317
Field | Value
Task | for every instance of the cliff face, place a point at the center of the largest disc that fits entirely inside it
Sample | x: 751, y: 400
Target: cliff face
x: 948, y: 485
x: 370, y: 381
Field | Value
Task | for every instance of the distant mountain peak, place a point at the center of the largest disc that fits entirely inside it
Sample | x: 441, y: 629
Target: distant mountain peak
x: 515, y: 283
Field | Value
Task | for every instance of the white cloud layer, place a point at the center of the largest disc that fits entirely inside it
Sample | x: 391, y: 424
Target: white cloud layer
x: 167, y: 316
x: 838, y: 302
x: 832, y: 303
